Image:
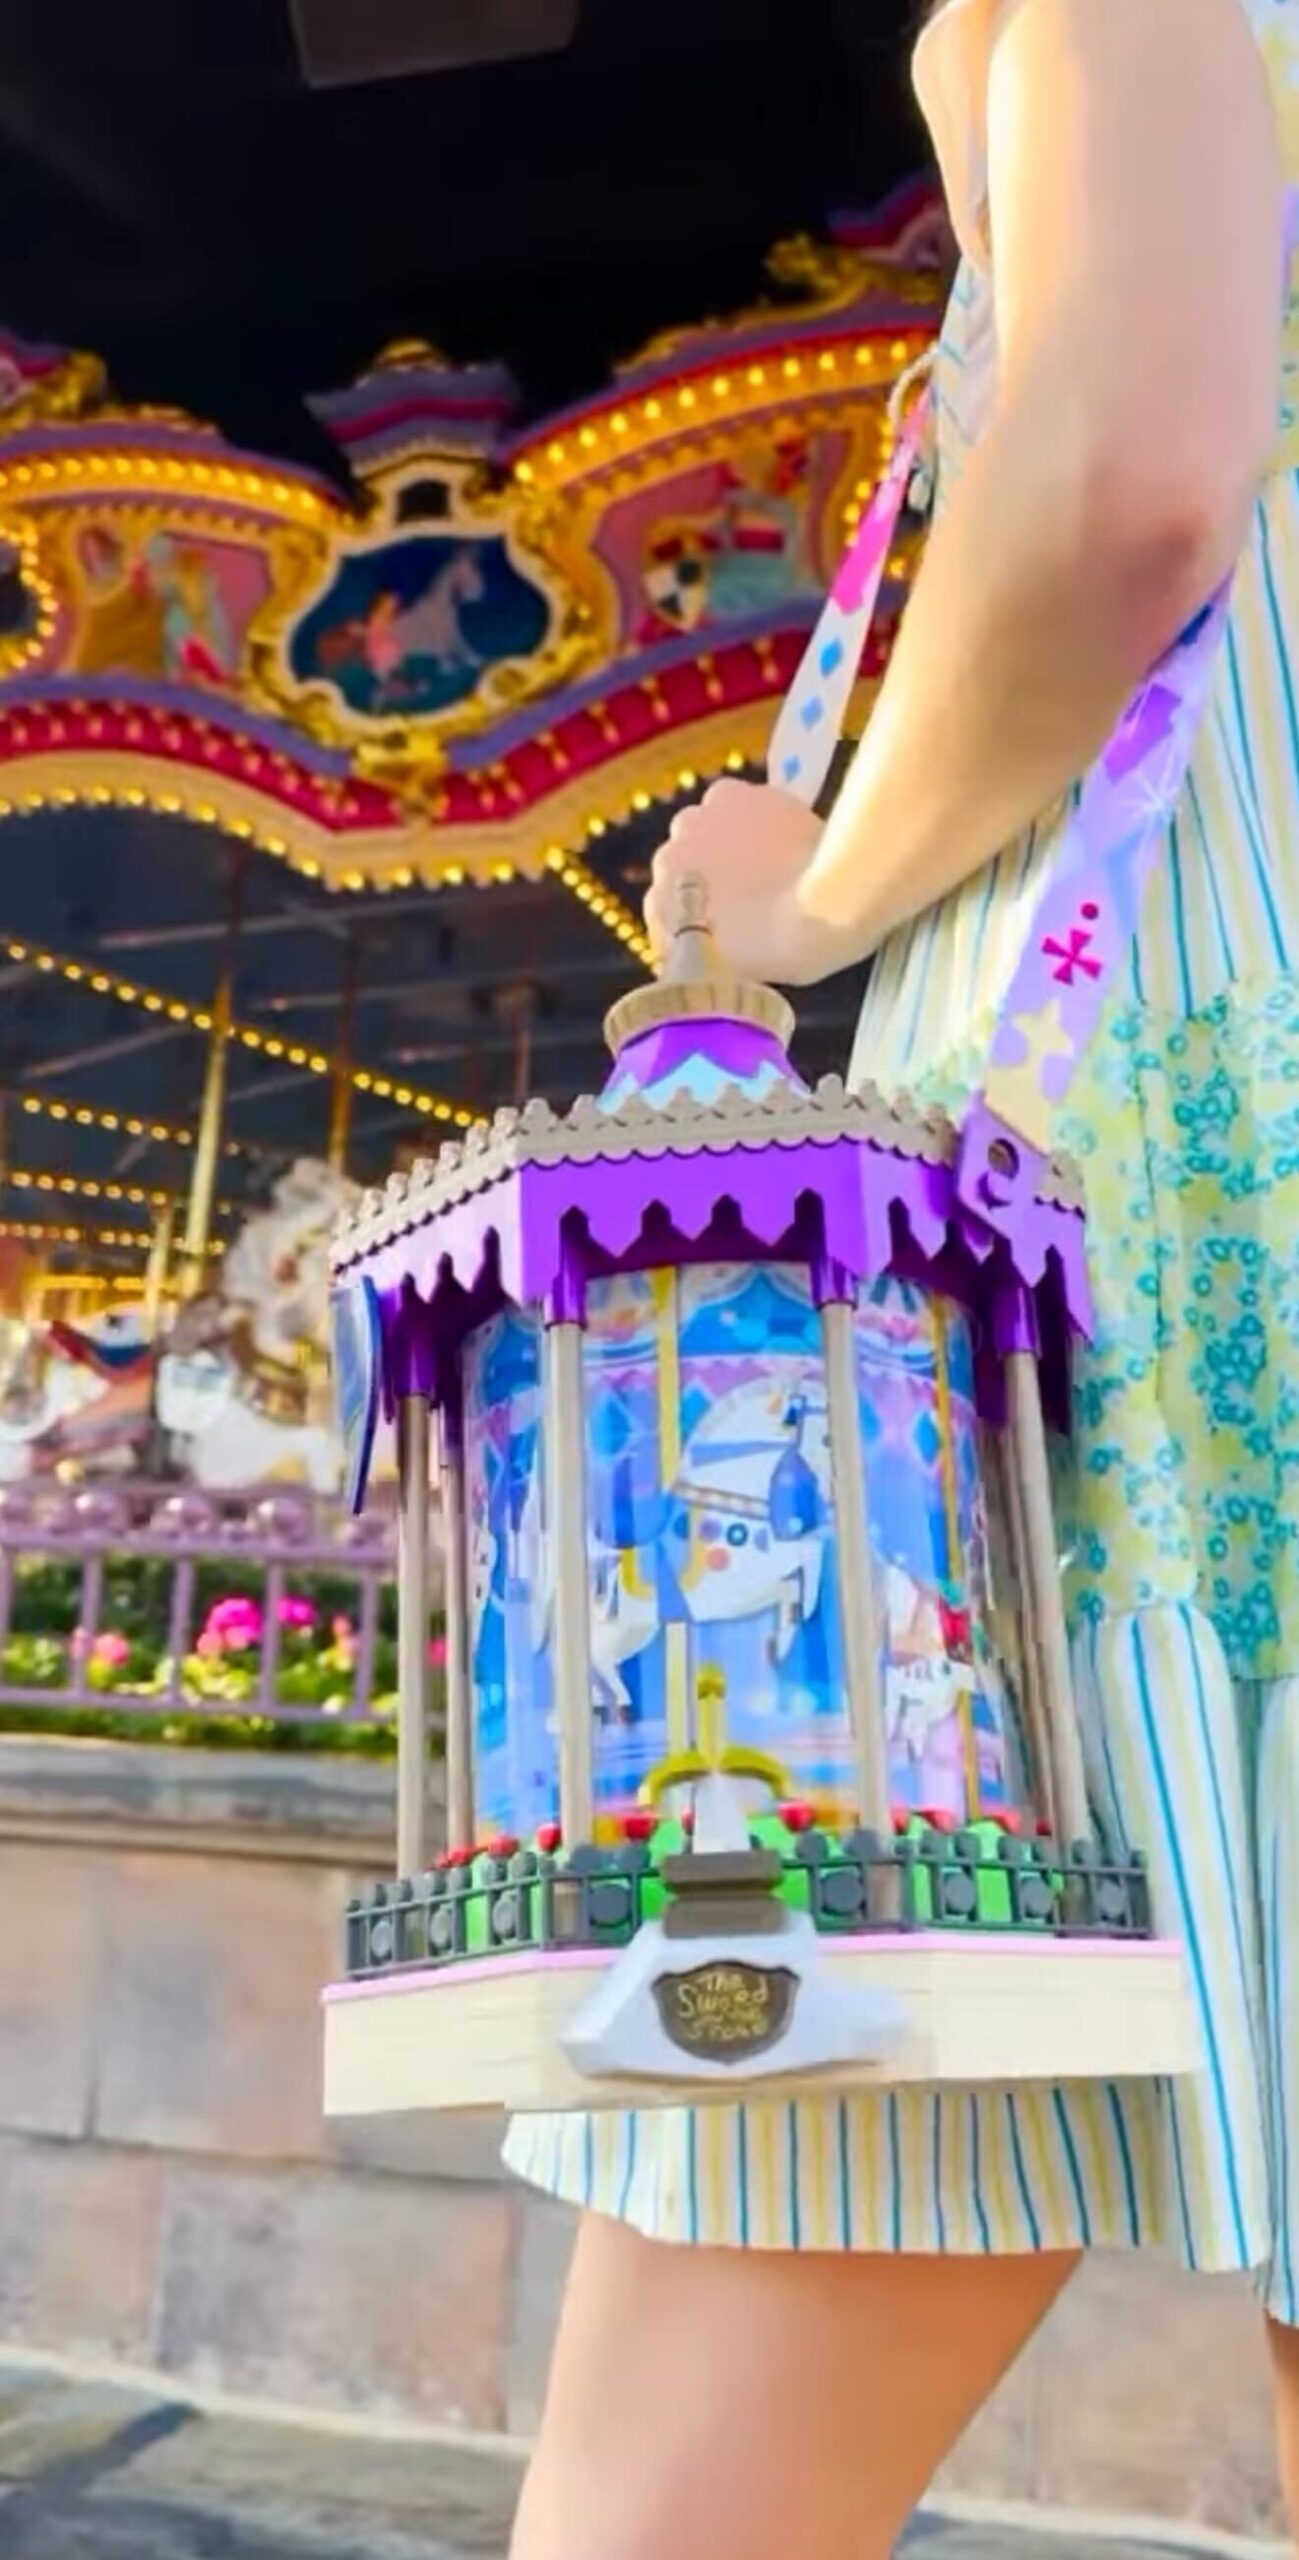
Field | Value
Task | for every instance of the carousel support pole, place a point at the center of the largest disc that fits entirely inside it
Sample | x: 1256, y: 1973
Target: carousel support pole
x: 517, y: 1005
x: 14, y: 1268
x: 34, y: 1280
x: 565, y: 1497
x: 837, y: 1298
x: 341, y: 1089
x: 459, y: 1736
x: 523, y: 1048
x: 1043, y: 1599
x: 158, y: 1266
x: 197, y: 1242
x: 413, y: 1442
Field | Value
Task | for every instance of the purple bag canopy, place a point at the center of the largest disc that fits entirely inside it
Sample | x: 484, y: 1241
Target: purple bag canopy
x: 705, y: 1145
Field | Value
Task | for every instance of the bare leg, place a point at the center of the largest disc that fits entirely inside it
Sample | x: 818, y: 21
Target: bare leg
x: 711, y: 2404
x: 1284, y: 2344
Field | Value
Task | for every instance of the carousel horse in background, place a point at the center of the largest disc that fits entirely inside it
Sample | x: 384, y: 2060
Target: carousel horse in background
x: 77, y: 1396
x: 241, y: 1391
x: 235, y: 1391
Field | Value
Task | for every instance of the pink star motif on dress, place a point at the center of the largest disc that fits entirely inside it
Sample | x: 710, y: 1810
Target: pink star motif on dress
x: 1072, y: 955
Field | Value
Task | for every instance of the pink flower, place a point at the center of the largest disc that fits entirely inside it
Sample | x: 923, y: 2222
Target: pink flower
x: 437, y: 1653
x: 111, y: 1648
x: 231, y: 1612
x: 296, y: 1613
x: 78, y: 1643
x: 342, y: 1631
x: 241, y: 1637
x: 208, y: 1644
x: 236, y: 1624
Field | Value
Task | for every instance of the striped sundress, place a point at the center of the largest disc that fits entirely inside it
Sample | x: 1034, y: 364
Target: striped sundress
x: 1181, y: 1502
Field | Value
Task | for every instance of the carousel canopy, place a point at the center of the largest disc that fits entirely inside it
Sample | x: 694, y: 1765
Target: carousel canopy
x: 366, y: 599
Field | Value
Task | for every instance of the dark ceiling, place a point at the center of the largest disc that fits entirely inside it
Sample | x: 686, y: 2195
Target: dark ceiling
x: 173, y: 196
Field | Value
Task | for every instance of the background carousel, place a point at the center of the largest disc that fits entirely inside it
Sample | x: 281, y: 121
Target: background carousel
x: 341, y: 731
x: 342, y: 795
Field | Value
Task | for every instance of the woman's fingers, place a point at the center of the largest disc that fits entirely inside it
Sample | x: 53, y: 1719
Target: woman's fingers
x: 672, y: 861
x: 660, y: 905
x: 691, y: 844
x: 685, y: 823
x: 661, y: 916
x: 655, y: 935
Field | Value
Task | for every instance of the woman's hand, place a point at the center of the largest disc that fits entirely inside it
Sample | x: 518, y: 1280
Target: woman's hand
x: 751, y: 845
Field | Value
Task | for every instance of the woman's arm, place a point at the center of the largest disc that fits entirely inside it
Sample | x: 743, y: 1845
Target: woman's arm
x: 1136, y: 220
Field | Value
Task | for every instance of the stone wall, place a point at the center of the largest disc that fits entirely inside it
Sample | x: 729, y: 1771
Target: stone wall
x: 171, y: 2201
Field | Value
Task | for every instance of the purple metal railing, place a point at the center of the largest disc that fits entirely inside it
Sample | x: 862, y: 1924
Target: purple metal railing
x: 280, y: 1534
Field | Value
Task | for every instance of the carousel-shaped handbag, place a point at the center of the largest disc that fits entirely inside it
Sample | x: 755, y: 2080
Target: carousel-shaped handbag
x: 761, y: 1765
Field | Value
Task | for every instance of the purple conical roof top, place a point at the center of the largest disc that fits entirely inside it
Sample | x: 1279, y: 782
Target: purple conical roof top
x: 700, y: 1032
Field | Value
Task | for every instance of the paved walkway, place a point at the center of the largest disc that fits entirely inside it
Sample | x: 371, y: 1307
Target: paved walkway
x: 97, y: 2473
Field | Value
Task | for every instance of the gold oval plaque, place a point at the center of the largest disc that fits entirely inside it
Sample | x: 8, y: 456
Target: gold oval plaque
x: 726, y: 2012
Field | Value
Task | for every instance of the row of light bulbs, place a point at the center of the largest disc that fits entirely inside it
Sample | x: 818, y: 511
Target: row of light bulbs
x: 83, y: 1115
x: 116, y: 1239
x: 199, y: 1018
x: 691, y: 396
x: 86, y: 1188
x: 586, y: 886
x: 163, y: 471
x: 234, y: 481
x: 604, y: 906
x: 112, y: 1283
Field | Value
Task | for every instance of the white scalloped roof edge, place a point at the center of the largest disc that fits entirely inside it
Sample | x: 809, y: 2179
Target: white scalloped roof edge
x: 587, y: 1134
